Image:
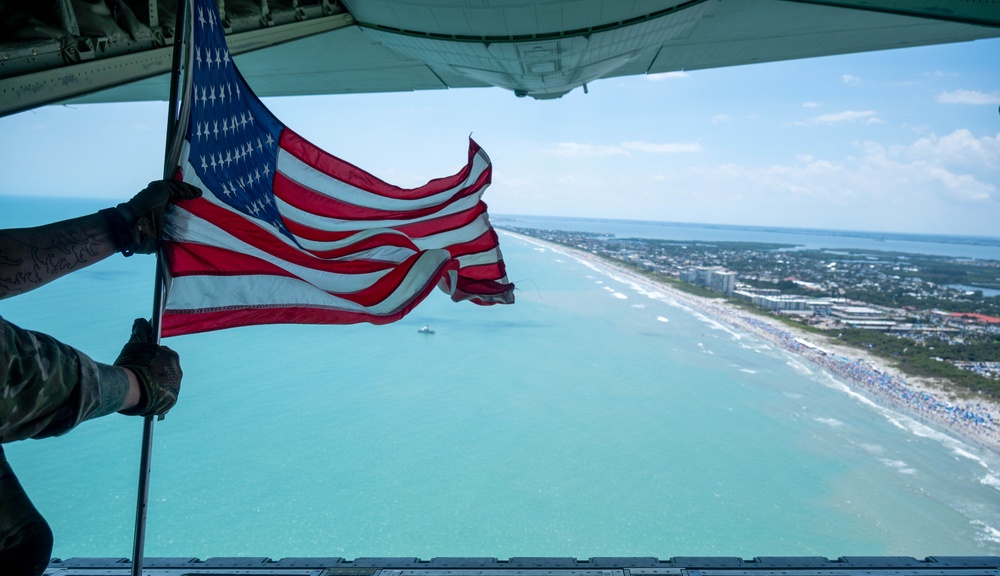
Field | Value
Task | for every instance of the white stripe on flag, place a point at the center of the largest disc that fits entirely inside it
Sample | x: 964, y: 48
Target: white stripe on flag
x: 199, y: 231
x: 208, y: 293
x: 337, y: 225
x: 305, y: 175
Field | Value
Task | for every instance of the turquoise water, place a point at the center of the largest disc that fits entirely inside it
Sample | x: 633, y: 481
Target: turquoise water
x: 589, y: 419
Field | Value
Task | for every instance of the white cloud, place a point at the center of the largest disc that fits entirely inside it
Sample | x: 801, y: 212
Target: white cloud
x: 944, y: 184
x: 968, y: 97
x: 667, y: 76
x: 811, y: 105
x: 869, y: 116
x: 959, y: 148
x: 851, y: 80
x: 576, y: 150
x: 962, y: 187
x: 668, y: 148
x: 720, y: 118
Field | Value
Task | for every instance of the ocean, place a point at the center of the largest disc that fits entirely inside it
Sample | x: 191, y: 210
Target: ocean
x: 985, y: 248
x: 591, y: 418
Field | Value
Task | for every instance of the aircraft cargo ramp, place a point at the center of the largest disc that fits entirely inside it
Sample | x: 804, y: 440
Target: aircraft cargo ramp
x: 677, y: 566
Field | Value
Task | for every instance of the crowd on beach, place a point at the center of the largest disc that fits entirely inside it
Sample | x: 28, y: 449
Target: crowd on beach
x: 975, y: 420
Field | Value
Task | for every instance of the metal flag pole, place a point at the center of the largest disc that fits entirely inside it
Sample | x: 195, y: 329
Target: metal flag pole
x: 169, y: 165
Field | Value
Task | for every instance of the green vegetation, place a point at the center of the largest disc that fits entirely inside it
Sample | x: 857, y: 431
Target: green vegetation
x: 928, y: 358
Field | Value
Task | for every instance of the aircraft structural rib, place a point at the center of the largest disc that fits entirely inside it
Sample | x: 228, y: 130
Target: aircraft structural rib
x: 89, y: 52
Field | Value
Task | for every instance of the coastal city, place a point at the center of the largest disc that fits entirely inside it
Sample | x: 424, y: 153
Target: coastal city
x: 931, y: 316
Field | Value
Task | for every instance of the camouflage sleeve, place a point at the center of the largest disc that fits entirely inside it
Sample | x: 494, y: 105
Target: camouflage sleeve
x: 47, y: 387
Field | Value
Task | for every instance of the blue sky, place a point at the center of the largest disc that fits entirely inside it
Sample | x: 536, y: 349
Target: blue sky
x: 902, y: 140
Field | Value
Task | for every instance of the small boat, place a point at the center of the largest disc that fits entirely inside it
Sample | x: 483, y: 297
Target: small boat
x: 426, y: 330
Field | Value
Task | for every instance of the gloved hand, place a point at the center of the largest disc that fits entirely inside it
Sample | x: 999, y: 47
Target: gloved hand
x: 157, y: 368
x: 143, y: 214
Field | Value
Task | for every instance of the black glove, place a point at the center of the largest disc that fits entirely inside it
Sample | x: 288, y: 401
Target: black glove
x: 136, y: 224
x: 157, y: 368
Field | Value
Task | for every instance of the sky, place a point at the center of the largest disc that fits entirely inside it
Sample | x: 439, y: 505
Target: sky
x: 904, y: 140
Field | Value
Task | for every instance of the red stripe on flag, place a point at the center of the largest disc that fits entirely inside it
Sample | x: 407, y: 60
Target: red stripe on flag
x: 315, y: 234
x: 191, y: 259
x: 243, y: 229
x: 485, y: 241
x: 350, y: 174
x: 434, y: 226
x: 179, y: 322
x: 418, y: 229
x: 387, y: 284
x: 484, y: 271
x: 313, y: 202
x: 186, y: 259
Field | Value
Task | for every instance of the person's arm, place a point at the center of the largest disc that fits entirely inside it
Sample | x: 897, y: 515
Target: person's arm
x: 48, y: 388
x: 33, y: 257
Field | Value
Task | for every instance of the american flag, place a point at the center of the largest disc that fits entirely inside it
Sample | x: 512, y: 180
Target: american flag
x: 287, y: 233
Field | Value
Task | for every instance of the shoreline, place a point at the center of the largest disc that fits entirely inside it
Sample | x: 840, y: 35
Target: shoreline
x: 974, y: 421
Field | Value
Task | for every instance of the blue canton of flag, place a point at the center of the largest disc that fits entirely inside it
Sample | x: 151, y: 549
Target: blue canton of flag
x: 234, y: 139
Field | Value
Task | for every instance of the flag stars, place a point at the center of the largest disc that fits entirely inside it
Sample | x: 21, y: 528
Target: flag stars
x: 201, y: 16
x: 215, y: 129
x: 204, y: 165
x: 260, y: 147
x: 225, y: 127
x: 267, y: 172
x: 204, y: 98
x: 197, y: 56
x: 270, y: 141
x: 222, y: 94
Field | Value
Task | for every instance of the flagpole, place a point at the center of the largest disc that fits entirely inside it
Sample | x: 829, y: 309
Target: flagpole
x: 169, y: 166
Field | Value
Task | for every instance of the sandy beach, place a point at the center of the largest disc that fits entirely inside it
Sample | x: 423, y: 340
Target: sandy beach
x: 972, y: 419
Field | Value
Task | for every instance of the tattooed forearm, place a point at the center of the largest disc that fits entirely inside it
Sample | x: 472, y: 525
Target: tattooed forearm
x: 32, y: 257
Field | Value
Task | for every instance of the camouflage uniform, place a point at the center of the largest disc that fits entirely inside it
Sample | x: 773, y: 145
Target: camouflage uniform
x: 47, y: 388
